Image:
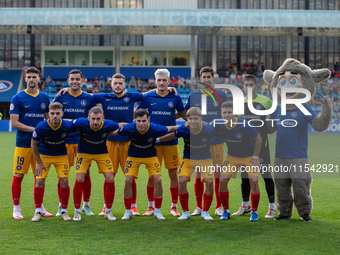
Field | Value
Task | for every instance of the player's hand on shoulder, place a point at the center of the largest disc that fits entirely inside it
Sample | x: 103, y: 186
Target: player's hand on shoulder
x: 172, y: 89
x: 122, y: 124
x: 187, y: 124
x: 62, y: 91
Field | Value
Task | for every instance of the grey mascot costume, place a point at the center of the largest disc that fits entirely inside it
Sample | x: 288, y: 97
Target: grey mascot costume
x: 292, y: 142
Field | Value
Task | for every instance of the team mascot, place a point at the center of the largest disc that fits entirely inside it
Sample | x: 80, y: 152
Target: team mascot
x: 291, y: 165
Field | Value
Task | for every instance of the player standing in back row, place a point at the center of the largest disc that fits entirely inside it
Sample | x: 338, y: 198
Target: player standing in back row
x: 28, y: 108
x: 76, y: 104
x: 162, y: 106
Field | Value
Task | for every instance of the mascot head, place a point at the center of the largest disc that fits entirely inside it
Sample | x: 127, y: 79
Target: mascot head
x: 294, y: 74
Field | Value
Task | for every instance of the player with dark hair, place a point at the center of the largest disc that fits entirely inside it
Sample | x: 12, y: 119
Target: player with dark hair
x: 162, y: 106
x: 142, y: 150
x: 76, y: 104
x: 28, y: 108
x: 92, y: 147
x: 216, y: 143
x: 243, y: 153
x: 260, y: 102
x: 196, y: 156
x: 48, y: 146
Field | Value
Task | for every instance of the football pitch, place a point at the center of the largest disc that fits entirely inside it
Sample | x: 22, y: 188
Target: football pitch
x: 146, y: 235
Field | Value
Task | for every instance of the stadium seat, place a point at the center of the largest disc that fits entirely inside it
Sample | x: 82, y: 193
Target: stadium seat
x: 133, y: 89
x: 181, y: 90
x: 65, y: 84
x: 53, y: 89
x: 53, y: 84
x: 47, y: 89
x: 187, y: 90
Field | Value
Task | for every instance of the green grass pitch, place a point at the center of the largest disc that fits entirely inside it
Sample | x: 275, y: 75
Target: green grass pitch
x: 146, y: 235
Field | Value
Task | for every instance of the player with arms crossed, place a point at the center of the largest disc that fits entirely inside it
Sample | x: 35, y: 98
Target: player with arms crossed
x: 119, y: 106
x: 76, y: 104
x: 48, y: 146
x: 196, y: 154
x: 28, y: 108
x: 260, y: 102
x: 162, y: 106
x: 142, y: 150
x: 217, y: 143
x: 92, y: 146
x: 241, y: 153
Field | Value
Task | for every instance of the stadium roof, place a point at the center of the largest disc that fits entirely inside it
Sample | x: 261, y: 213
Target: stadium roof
x: 189, y: 21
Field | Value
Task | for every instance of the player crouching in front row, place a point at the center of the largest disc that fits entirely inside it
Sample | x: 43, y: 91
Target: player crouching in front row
x: 143, y: 135
x: 196, y: 155
x: 242, y: 153
x: 92, y: 147
x: 48, y: 147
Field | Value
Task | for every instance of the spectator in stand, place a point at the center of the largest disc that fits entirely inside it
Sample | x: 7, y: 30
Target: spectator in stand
x: 96, y: 81
x: 39, y: 68
x: 232, y: 77
x: 264, y: 88
x: 95, y: 89
x: 58, y: 86
x: 48, y: 80
x: 151, y: 81
x: 132, y: 61
x: 325, y: 88
x: 216, y: 78
x: 239, y: 80
x: 89, y: 87
x: 246, y: 66
x: 230, y: 67
x: 259, y: 69
x: 187, y: 82
x: 180, y: 82
x: 132, y: 83
x: 174, y: 81
x: 336, y: 66
x: 102, y: 81
x: 234, y: 66
x: 139, y: 84
x: 252, y: 69
x: 244, y: 75
x: 226, y: 77
x: 107, y: 87
x: 41, y: 84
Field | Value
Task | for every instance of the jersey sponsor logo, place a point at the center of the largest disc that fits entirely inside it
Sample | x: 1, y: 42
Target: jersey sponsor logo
x: 174, y: 157
x: 43, y: 106
x: 65, y: 102
x: 35, y: 115
x: 293, y: 114
x: 77, y: 167
x: 142, y: 147
x: 5, y: 85
x: 212, y: 113
x: 83, y: 102
x: 34, y: 134
x: 258, y: 107
x: 122, y: 108
x: 27, y: 106
x: 74, y: 110
x: 94, y: 142
x: 239, y: 136
x: 18, y: 167
x: 150, y: 139
x: 55, y: 143
x: 171, y: 104
x: 161, y: 113
x: 153, y: 103
x: 65, y: 166
x: 126, y: 99
x: 63, y: 135
x: 104, y: 135
x: 126, y: 170
x: 11, y: 107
